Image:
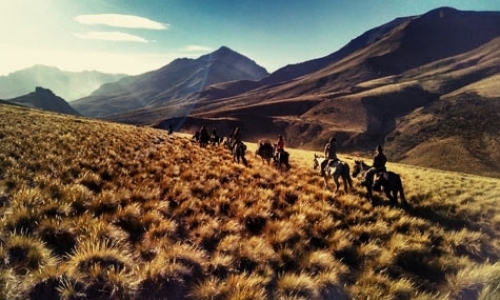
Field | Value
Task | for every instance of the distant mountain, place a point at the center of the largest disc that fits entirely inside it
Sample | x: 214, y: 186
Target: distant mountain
x: 172, y: 83
x: 426, y: 87
x: 45, y: 99
x: 69, y: 85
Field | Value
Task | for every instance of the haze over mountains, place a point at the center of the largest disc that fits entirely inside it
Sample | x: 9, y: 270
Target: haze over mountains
x: 424, y: 86
x: 68, y: 85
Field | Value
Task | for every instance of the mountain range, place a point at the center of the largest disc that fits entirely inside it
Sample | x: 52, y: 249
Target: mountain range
x: 68, y: 85
x: 425, y: 87
x: 171, y: 84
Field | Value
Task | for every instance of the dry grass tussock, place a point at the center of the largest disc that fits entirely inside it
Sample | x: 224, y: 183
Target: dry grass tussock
x: 93, y: 210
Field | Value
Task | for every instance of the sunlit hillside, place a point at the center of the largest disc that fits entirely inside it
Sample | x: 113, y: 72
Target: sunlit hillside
x: 94, y: 210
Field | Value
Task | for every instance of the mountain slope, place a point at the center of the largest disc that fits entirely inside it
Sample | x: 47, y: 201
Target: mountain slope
x: 171, y: 83
x: 45, y: 99
x: 69, y: 85
x: 372, y: 95
x: 294, y: 71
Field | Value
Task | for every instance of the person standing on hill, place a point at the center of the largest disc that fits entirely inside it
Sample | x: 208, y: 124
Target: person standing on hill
x: 330, y: 152
x: 379, y: 161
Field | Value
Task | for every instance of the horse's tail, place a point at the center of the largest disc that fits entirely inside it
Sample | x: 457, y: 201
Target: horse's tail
x: 401, y: 191
x: 347, y: 174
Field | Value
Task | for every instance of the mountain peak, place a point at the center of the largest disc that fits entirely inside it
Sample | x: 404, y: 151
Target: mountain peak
x: 45, y: 99
x: 43, y: 92
x: 224, y: 51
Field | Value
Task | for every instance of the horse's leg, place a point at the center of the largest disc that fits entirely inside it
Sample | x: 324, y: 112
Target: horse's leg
x: 369, y: 193
x: 325, y: 180
x: 346, y: 189
x: 337, y: 183
x: 344, y: 180
x: 391, y: 194
x: 402, y: 196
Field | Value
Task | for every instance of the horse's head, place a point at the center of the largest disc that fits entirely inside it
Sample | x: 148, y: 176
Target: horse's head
x: 358, y: 167
x: 317, y: 160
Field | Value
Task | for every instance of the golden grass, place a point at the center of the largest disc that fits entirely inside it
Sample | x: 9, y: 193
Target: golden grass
x: 109, y: 211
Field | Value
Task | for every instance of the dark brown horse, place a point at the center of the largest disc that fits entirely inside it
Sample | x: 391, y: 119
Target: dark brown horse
x: 239, y: 152
x: 387, y: 181
x: 282, y: 159
x: 265, y: 150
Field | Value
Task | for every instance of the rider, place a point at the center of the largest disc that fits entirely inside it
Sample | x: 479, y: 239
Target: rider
x: 203, y: 135
x: 214, y: 136
x: 236, y: 135
x: 330, y: 152
x: 379, y: 161
x: 280, y: 146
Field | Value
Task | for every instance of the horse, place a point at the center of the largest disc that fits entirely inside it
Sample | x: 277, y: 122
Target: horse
x: 388, y: 181
x: 196, y: 136
x: 204, y: 138
x: 336, y: 169
x: 265, y: 150
x: 239, y: 152
x: 228, y: 143
x: 215, y: 139
x: 280, y: 159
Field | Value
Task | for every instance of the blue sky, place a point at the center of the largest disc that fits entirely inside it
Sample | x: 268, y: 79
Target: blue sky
x: 135, y: 36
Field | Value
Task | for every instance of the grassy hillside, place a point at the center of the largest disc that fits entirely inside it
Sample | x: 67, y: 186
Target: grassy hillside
x: 93, y: 210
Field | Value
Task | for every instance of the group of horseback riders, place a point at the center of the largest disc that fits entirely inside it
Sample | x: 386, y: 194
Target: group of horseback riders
x: 379, y: 160
x: 203, y: 138
x: 329, y: 150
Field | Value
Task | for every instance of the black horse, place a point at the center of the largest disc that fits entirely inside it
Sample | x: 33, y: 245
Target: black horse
x: 239, y: 152
x: 389, y: 182
x: 204, y: 138
x: 281, y: 158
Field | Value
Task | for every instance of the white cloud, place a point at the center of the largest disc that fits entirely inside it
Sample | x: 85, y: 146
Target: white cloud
x: 125, y: 21
x: 197, y: 48
x: 113, y: 36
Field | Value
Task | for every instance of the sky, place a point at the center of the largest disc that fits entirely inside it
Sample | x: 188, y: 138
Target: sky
x: 136, y: 36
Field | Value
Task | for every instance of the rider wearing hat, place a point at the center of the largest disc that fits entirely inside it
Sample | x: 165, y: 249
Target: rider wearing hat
x: 330, y: 152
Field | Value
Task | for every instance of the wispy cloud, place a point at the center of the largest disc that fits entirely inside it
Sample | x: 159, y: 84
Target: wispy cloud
x: 117, y: 20
x: 197, y: 48
x: 113, y: 36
